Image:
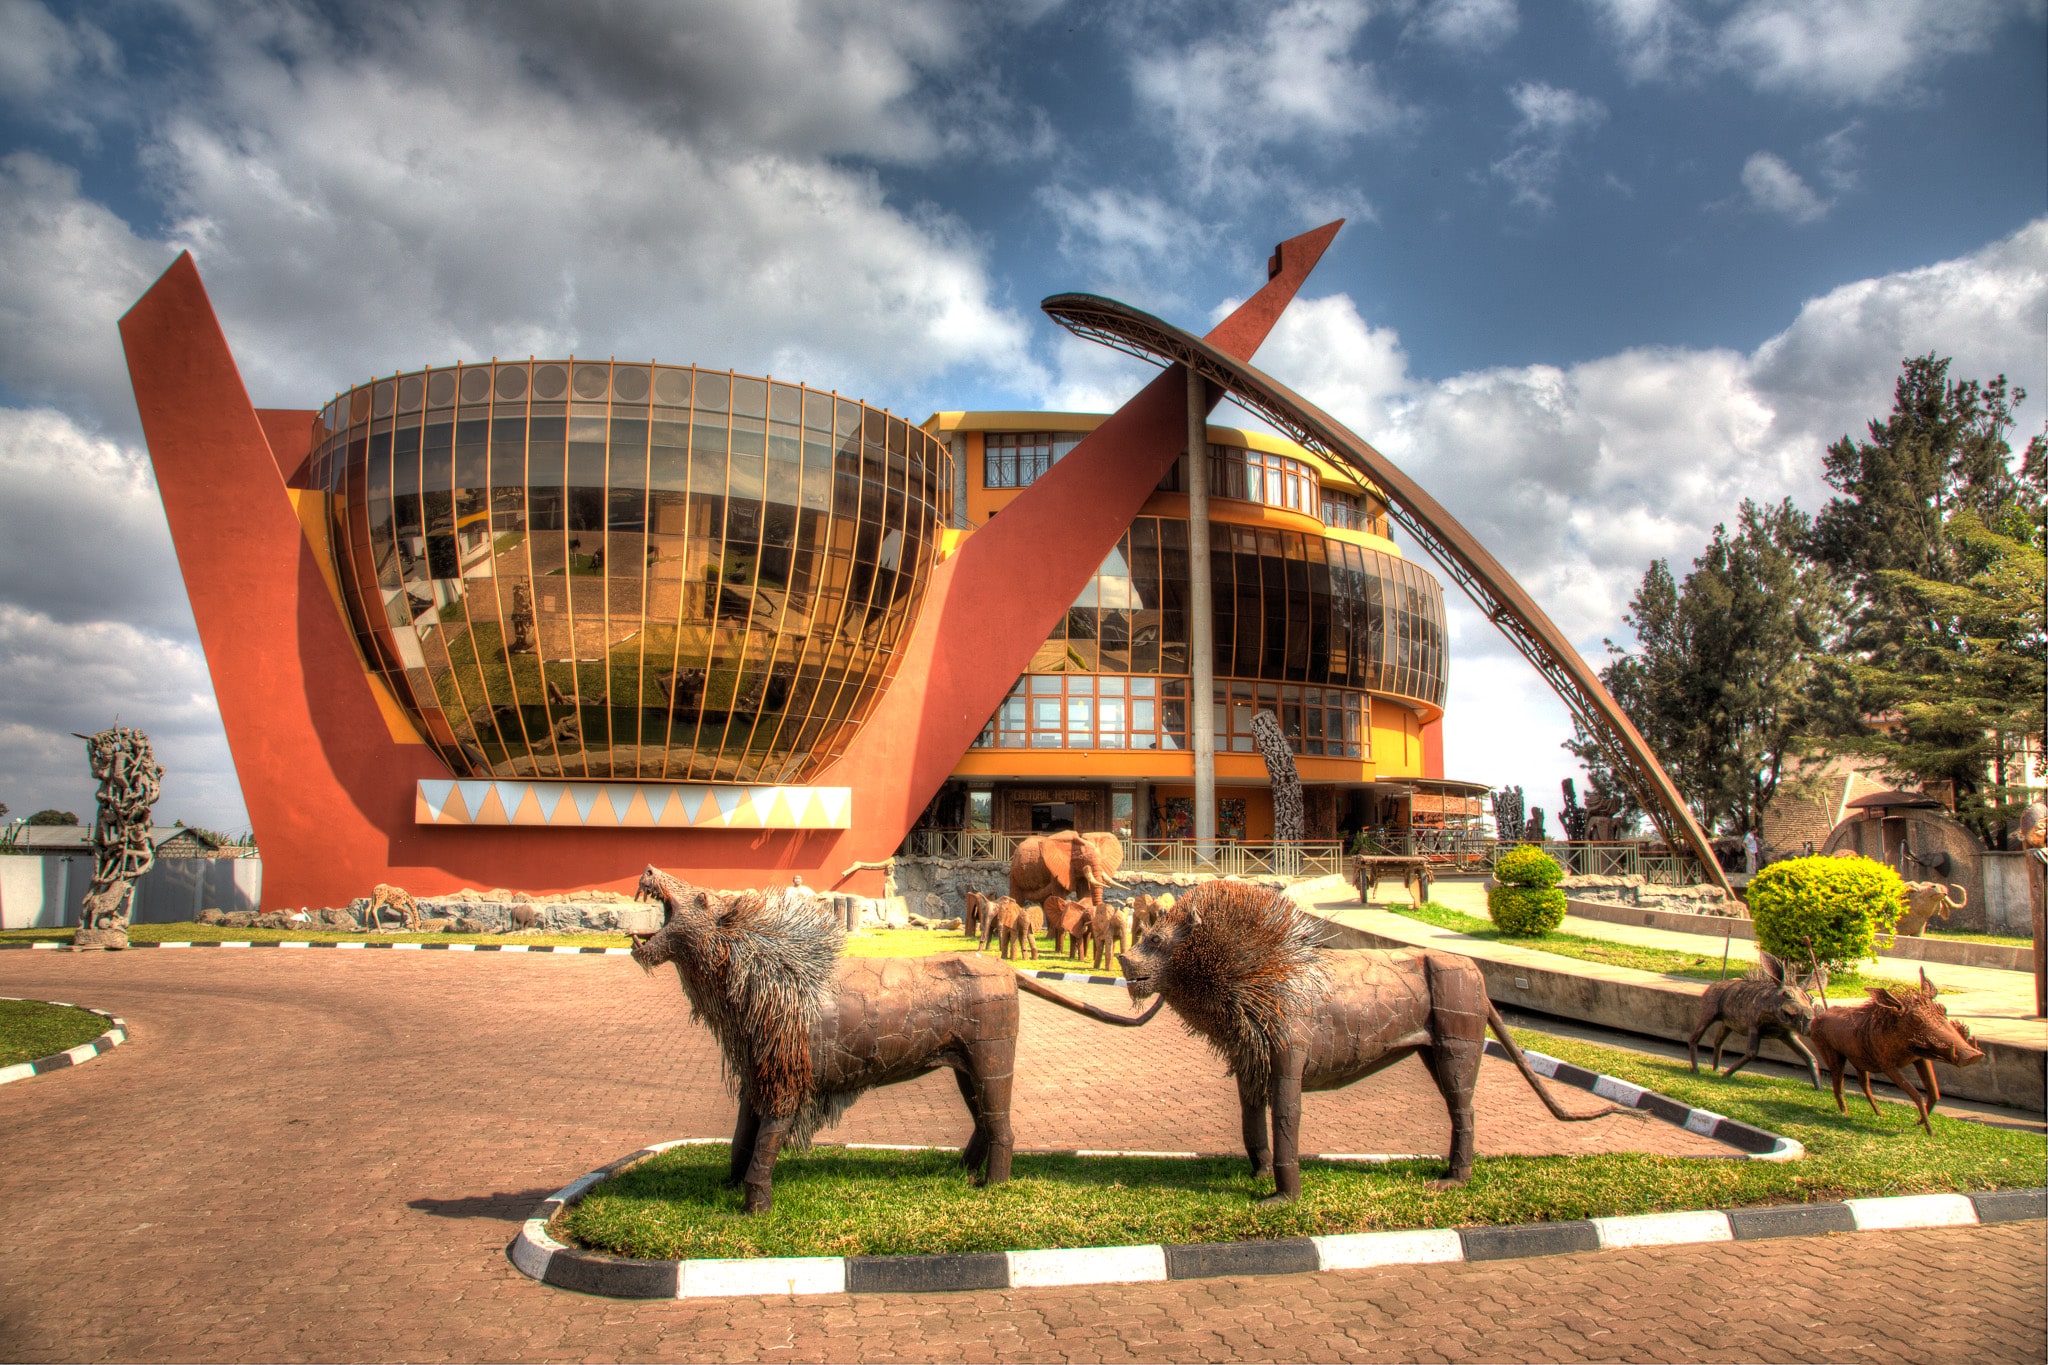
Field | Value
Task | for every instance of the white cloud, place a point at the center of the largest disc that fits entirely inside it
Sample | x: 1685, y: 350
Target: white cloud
x: 1576, y: 477
x: 433, y: 198
x: 1775, y: 187
x: 40, y: 53
x: 1468, y: 25
x: 62, y: 678
x: 68, y: 269
x: 1293, y: 79
x: 1119, y: 235
x: 1549, y: 117
x: 1847, y: 51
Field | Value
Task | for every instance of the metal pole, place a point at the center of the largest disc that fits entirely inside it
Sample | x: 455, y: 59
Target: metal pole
x: 1202, y: 618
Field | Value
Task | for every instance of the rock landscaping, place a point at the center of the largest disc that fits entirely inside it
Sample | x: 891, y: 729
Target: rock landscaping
x: 1699, y: 899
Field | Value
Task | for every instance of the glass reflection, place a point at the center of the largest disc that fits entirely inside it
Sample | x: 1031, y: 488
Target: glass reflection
x: 578, y: 569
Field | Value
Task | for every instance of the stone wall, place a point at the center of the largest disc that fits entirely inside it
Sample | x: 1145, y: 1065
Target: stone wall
x: 950, y: 879
x: 588, y: 912
x: 1699, y: 899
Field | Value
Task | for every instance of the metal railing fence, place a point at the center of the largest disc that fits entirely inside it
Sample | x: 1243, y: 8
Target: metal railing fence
x: 1312, y: 858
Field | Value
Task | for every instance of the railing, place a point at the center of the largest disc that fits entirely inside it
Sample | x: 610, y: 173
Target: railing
x: 1462, y: 850
x: 1226, y: 859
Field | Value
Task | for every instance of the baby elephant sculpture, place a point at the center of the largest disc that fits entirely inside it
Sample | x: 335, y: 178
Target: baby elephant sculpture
x: 1926, y: 901
x: 804, y: 1031
x: 1886, y: 1032
x: 1240, y: 965
x: 1066, y: 922
x: 1109, y: 933
x: 974, y: 913
x: 1013, y: 929
x: 1767, y: 1003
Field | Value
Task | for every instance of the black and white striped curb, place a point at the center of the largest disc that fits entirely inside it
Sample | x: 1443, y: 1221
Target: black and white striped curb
x: 540, y: 1256
x: 76, y: 1056
x: 1750, y: 1142
x: 536, y: 948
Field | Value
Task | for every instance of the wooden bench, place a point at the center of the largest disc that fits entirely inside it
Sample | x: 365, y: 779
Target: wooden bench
x: 1414, y: 870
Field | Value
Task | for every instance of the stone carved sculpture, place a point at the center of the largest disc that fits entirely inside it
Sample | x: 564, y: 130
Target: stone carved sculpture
x: 1241, y: 967
x: 1603, y: 819
x: 1885, y: 1033
x: 1290, y: 821
x: 1507, y: 814
x: 130, y: 781
x: 1769, y: 1002
x: 1928, y: 901
x: 804, y: 1032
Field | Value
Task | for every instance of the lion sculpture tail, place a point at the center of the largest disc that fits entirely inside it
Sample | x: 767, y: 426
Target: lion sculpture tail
x: 1500, y: 1031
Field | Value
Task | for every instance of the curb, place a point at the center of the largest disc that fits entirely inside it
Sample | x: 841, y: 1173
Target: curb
x: 541, y: 1257
x: 1753, y: 1143
x: 77, y: 1056
x: 538, y: 949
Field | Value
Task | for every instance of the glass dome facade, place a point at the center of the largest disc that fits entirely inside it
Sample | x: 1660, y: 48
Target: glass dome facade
x: 570, y: 569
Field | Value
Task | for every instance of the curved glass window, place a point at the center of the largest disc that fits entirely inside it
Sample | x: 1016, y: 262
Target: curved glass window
x: 574, y: 569
x: 1255, y: 476
x: 1288, y: 607
x: 1102, y: 711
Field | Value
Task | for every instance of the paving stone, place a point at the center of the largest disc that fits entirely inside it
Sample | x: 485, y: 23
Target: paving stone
x: 349, y: 1140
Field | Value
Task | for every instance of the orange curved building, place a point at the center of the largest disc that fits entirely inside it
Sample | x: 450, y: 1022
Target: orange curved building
x: 541, y: 623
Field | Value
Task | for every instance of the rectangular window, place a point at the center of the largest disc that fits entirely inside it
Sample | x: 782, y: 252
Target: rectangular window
x: 1017, y: 459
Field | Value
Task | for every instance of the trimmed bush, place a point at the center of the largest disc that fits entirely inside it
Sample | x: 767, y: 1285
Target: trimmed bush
x: 1526, y: 904
x: 1527, y: 866
x: 1827, y: 910
x: 1525, y: 911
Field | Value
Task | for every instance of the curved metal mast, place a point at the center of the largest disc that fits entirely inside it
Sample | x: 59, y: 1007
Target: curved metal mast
x: 1485, y: 580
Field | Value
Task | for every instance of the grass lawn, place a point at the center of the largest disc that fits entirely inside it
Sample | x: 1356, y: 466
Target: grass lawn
x: 31, y: 1030
x: 835, y: 1202
x: 1701, y: 966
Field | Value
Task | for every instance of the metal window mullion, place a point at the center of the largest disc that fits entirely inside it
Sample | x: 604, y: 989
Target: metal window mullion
x: 526, y: 543
x: 775, y: 634
x: 718, y: 581
x: 675, y: 664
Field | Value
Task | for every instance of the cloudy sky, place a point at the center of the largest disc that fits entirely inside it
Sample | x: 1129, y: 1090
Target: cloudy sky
x: 1610, y: 266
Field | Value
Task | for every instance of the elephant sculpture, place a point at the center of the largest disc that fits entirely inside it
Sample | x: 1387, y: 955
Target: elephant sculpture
x: 1926, y: 901
x: 1071, y: 865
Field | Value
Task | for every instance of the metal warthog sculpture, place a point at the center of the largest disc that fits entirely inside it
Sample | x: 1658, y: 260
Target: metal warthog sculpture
x: 1885, y: 1033
x: 1768, y: 1003
x: 803, y: 1031
x: 1242, y: 968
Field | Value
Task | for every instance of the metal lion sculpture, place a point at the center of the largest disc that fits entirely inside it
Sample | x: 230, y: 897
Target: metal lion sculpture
x: 804, y: 1031
x: 130, y: 781
x: 1243, y: 969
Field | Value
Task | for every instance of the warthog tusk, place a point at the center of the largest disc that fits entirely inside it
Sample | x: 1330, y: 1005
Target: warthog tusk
x: 1033, y: 986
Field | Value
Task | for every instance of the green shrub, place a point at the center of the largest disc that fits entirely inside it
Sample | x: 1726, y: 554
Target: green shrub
x: 1526, y: 911
x: 1825, y: 910
x: 1527, y: 866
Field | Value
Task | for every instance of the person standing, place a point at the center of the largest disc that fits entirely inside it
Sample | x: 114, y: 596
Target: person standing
x: 1752, y: 851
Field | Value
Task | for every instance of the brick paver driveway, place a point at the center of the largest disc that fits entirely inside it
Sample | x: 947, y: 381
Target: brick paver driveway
x: 322, y: 1155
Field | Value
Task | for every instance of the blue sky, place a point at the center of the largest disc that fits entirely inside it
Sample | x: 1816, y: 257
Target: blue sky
x: 1610, y: 265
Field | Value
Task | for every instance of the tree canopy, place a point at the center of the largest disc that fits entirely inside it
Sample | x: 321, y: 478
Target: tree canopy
x: 1905, y: 620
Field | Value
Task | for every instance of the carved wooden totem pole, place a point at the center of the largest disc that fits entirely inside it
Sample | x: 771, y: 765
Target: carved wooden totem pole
x: 1289, y: 819
x: 130, y: 781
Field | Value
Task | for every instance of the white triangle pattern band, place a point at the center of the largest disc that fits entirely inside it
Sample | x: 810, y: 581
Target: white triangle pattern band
x: 637, y: 805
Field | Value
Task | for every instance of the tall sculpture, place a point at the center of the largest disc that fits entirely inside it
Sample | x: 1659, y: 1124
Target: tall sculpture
x: 1571, y: 816
x: 130, y: 781
x: 1507, y: 814
x: 1289, y: 820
